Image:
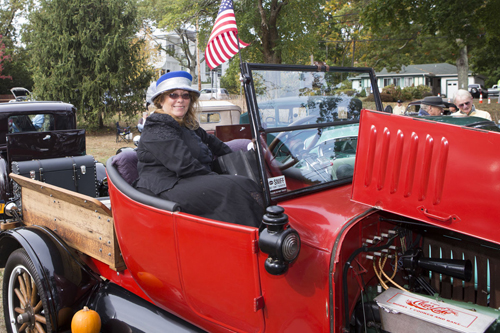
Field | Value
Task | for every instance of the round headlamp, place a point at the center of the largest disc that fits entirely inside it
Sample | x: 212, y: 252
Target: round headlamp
x: 290, y: 247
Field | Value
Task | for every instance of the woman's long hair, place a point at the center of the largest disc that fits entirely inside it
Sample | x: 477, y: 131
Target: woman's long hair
x: 190, y: 118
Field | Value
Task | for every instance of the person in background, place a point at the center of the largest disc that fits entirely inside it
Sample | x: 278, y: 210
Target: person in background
x: 175, y: 159
x: 431, y: 106
x: 142, y: 121
x: 452, y: 107
x: 463, y: 99
x: 399, y: 108
x: 38, y: 121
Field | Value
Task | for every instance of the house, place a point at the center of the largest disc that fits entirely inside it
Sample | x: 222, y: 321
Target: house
x: 172, y: 41
x: 442, y: 78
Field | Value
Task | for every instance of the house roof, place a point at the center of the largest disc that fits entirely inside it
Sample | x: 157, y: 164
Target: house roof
x: 442, y: 69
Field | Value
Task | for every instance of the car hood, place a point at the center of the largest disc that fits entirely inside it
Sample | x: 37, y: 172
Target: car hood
x: 438, y: 173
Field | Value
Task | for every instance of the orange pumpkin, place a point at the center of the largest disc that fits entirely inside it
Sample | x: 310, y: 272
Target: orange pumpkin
x: 86, y: 321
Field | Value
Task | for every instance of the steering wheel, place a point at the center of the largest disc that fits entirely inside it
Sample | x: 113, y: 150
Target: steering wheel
x: 272, y: 159
x: 292, y: 160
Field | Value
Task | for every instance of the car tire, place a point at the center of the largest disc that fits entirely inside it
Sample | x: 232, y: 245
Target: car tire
x: 24, y: 300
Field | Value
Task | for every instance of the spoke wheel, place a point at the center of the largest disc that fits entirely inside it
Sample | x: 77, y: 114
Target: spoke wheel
x: 23, y: 300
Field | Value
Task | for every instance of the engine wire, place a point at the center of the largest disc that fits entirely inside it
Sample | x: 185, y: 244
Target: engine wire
x: 390, y: 279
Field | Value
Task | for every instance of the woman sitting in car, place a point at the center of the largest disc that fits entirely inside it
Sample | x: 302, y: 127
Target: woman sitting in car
x: 175, y: 158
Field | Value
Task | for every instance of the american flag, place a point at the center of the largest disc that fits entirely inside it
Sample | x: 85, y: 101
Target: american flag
x: 223, y: 43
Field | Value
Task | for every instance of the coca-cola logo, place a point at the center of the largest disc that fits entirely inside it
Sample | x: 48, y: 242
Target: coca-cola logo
x: 429, y: 306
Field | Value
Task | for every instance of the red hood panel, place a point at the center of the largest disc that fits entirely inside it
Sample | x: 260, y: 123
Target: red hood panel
x: 438, y: 173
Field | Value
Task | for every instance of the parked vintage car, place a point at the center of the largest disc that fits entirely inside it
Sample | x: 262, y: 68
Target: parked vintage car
x: 373, y: 222
x: 477, y: 90
x: 218, y: 113
x: 493, y: 91
x: 20, y: 94
x: 213, y: 93
x: 34, y: 130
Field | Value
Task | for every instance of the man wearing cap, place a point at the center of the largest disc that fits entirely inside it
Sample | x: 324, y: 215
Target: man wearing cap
x: 431, y: 106
x: 175, y: 159
x: 463, y: 99
x: 399, y: 108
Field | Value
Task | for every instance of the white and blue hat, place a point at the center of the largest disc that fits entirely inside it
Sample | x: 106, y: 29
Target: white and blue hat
x: 173, y: 81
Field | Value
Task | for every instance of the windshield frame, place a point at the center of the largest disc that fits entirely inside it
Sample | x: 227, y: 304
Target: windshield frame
x: 258, y: 129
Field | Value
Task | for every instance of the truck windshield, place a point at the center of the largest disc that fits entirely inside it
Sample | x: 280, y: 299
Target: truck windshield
x: 308, y: 124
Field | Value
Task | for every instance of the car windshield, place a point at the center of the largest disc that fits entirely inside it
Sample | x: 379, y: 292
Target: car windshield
x: 308, y: 124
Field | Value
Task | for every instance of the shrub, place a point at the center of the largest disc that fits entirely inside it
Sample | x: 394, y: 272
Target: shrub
x: 384, y: 97
x: 394, y: 91
x: 348, y: 92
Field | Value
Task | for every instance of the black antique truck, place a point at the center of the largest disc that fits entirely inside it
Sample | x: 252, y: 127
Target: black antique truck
x: 43, y: 137
x: 374, y: 222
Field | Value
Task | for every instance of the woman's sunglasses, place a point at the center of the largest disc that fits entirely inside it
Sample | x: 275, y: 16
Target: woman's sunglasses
x: 176, y: 96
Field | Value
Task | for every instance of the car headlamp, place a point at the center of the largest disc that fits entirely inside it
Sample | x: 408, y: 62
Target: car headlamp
x: 281, y: 243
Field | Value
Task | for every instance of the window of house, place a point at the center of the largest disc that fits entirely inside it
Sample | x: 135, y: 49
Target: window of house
x: 387, y: 82
x: 408, y: 82
x: 170, y: 48
x: 397, y: 81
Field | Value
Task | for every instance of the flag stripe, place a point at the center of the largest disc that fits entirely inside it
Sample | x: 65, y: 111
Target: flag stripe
x: 223, y: 42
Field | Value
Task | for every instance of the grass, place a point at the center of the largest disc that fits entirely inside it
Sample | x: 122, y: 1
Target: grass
x: 102, y: 144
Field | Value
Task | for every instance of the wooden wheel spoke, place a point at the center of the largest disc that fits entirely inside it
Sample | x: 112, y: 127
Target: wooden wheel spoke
x: 39, y: 328
x: 41, y: 319
x: 18, y: 309
x: 22, y: 287
x: 38, y: 307
x: 23, y: 327
x: 21, y: 297
x: 33, y: 292
x: 27, y: 282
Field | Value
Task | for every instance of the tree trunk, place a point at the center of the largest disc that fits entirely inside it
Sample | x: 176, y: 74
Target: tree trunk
x: 269, y: 28
x: 463, y: 68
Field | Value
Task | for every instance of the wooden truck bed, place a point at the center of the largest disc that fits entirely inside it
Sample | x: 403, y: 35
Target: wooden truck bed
x: 83, y: 222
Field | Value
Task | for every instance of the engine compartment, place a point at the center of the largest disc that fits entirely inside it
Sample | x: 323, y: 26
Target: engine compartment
x: 385, y: 251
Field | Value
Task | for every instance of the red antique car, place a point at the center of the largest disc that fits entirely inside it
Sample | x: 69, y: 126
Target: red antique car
x: 391, y: 229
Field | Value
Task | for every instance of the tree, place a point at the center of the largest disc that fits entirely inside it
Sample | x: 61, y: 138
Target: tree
x: 3, y: 58
x: 10, y: 13
x: 181, y: 17
x: 280, y: 31
x: 88, y: 54
x: 459, y: 22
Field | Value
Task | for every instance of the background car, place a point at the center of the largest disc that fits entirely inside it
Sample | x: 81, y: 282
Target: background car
x: 213, y: 93
x: 493, y: 91
x: 20, y: 94
x: 476, y: 90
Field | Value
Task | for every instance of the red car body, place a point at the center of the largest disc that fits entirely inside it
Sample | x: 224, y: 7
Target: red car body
x: 417, y: 207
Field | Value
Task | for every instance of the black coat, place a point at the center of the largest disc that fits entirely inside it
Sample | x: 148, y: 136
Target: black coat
x: 168, y: 152
x: 175, y: 164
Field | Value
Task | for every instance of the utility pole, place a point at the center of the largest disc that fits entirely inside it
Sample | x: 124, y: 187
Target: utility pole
x: 198, y: 52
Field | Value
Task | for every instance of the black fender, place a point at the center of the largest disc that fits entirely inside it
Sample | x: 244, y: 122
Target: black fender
x: 67, y: 281
x: 5, y: 186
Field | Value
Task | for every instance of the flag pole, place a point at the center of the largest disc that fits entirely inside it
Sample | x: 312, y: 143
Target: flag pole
x: 239, y: 49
